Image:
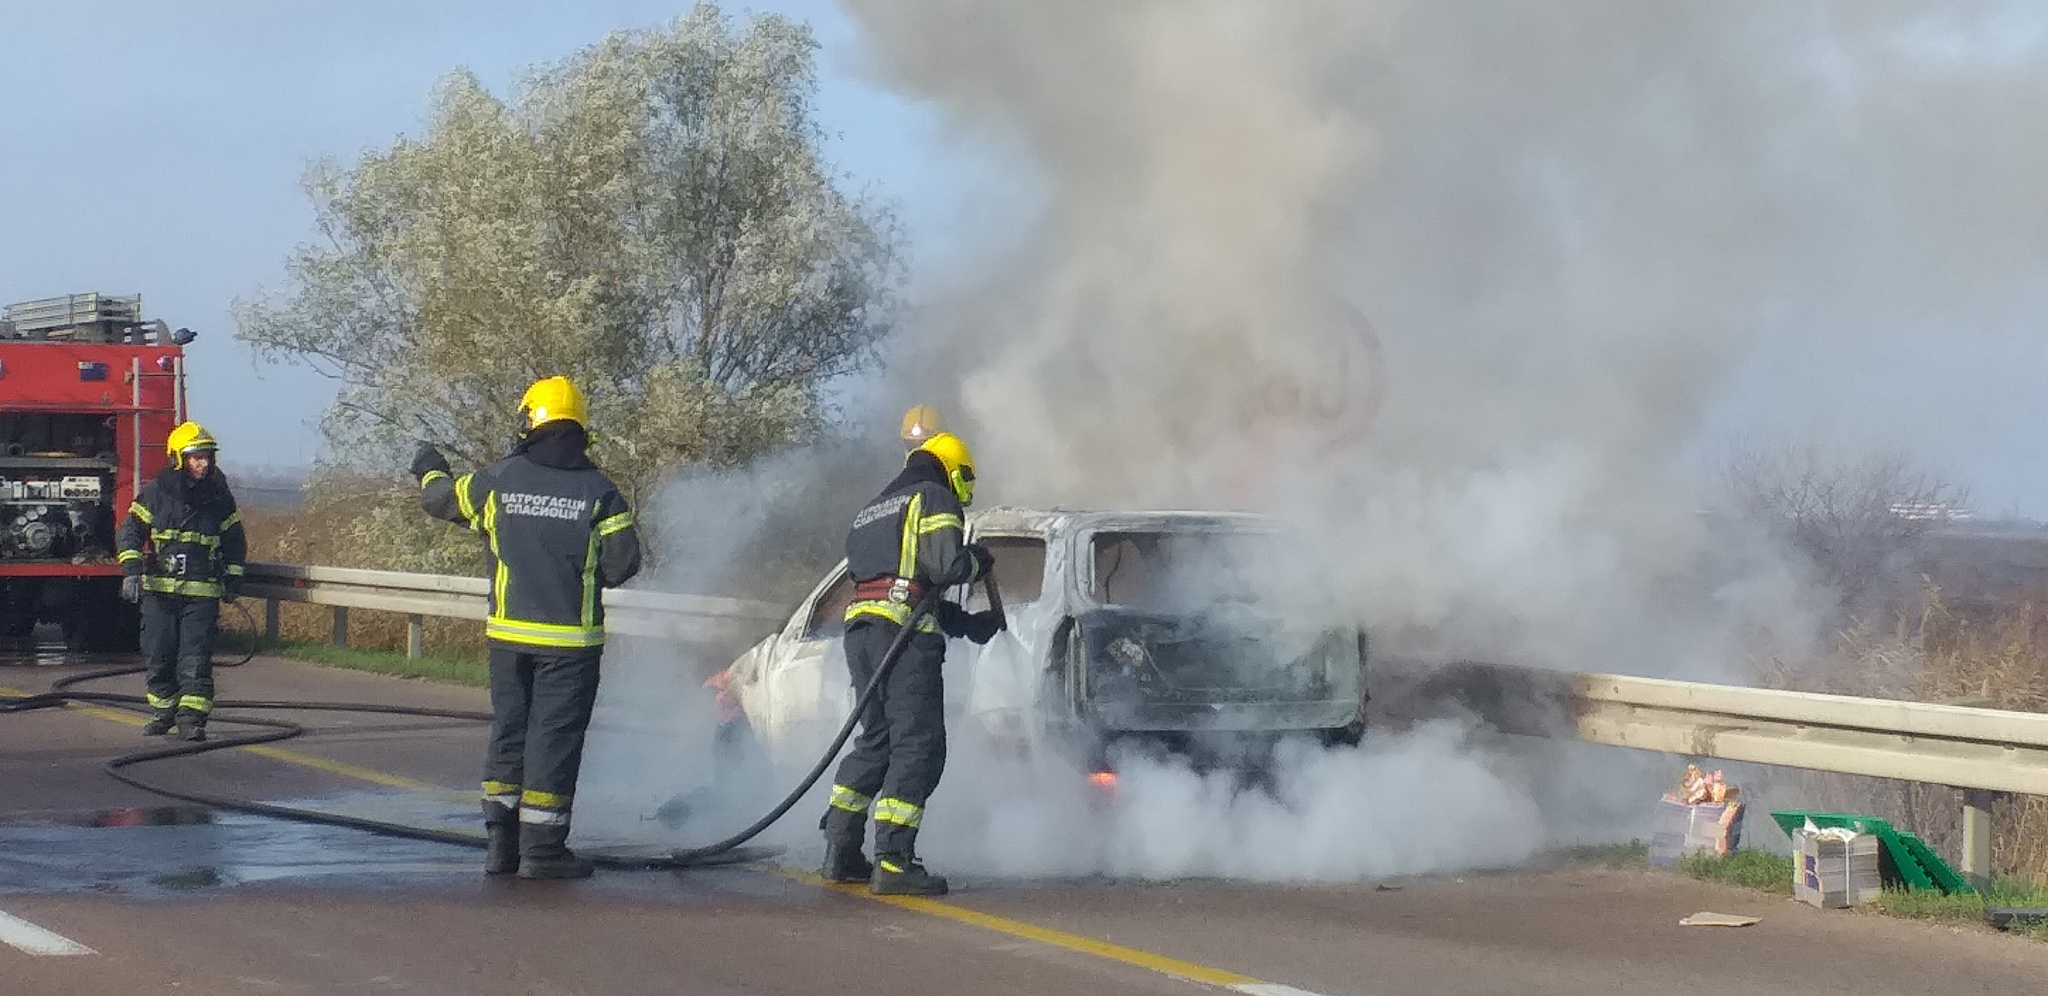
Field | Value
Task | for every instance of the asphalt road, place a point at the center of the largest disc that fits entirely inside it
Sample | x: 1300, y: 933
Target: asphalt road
x: 107, y: 889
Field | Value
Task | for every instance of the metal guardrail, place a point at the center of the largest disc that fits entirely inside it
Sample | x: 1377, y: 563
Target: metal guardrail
x: 1962, y: 746
x: 1983, y: 752
x: 631, y: 612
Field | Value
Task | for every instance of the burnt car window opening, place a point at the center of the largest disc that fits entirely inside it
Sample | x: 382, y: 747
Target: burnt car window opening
x: 828, y: 616
x: 1177, y: 572
x: 1185, y: 630
x: 1020, y: 571
x: 1156, y: 669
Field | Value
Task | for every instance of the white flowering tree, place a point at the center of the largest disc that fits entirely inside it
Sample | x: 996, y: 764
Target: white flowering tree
x: 652, y: 217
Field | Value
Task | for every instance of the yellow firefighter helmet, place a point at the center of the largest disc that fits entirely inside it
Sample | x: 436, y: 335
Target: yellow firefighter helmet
x: 954, y: 456
x: 552, y: 400
x: 191, y: 437
x: 920, y: 423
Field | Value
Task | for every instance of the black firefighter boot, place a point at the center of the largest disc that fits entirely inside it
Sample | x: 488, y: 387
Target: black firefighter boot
x: 897, y: 870
x: 161, y: 722
x: 544, y: 853
x: 191, y: 724
x: 844, y: 831
x: 501, y: 839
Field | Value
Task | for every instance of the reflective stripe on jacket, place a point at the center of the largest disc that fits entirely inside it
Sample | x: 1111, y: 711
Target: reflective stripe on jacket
x: 912, y: 530
x: 554, y: 538
x: 184, y: 537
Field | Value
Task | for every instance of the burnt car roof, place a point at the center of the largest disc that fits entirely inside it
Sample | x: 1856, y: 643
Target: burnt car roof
x: 1047, y: 521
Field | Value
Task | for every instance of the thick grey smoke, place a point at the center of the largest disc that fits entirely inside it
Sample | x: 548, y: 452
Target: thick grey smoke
x: 1570, y: 226
x: 1460, y: 290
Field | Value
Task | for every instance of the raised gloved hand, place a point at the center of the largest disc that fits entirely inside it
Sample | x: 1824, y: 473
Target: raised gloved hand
x: 427, y: 460
x: 131, y: 588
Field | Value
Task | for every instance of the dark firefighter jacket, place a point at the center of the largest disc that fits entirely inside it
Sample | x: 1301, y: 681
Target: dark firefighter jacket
x: 556, y: 533
x: 913, y: 531
x: 184, y: 536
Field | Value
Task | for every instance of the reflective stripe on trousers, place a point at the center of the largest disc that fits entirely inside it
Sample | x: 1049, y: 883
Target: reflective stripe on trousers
x: 504, y: 794
x: 540, y: 709
x: 177, y: 644
x: 903, y: 814
x: 844, y: 797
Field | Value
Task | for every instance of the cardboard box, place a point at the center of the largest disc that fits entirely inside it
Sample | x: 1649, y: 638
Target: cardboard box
x: 1681, y: 829
x: 1834, y: 869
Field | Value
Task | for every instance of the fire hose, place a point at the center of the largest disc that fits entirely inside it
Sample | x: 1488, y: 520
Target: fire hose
x: 723, y: 852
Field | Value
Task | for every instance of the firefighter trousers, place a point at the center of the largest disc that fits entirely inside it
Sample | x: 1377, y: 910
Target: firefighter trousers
x: 900, y: 752
x: 540, y: 710
x: 177, y: 641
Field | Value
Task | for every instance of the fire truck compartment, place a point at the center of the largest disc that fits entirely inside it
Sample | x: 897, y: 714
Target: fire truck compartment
x: 56, y: 487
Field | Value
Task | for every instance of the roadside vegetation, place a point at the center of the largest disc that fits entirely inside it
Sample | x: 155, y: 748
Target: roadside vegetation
x: 1953, y: 620
x: 391, y: 662
x: 653, y: 216
x: 1772, y: 873
x: 1751, y: 868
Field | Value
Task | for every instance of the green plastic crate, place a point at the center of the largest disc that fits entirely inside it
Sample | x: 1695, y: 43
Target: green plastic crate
x: 1905, y: 859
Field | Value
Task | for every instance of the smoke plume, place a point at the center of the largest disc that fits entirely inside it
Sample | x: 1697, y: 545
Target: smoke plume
x: 1464, y: 286
x: 1459, y: 291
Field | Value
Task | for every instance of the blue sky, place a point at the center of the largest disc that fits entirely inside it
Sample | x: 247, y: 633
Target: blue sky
x: 166, y: 161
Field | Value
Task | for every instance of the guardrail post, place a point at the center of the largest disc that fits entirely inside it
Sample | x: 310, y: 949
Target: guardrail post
x: 341, y: 625
x: 415, y: 636
x: 1977, y: 838
x: 270, y: 627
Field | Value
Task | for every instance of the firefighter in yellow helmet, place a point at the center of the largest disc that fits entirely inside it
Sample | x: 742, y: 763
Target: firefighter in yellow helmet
x: 907, y: 541
x: 181, y: 550
x: 556, y: 532
x: 920, y: 423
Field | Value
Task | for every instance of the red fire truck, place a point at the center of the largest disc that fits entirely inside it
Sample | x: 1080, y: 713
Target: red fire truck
x: 89, y: 391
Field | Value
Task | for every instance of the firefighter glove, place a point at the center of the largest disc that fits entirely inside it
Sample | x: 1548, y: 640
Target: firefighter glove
x: 427, y: 460
x: 231, y: 588
x: 131, y: 588
x: 984, y: 561
x: 983, y: 626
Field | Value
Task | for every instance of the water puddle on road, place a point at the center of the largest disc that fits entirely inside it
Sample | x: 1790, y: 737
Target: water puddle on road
x: 183, y: 849
x: 27, y: 652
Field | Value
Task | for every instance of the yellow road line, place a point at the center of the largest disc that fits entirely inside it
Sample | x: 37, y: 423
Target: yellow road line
x: 1078, y: 943
x: 1043, y: 935
x: 342, y: 768
x: 347, y: 770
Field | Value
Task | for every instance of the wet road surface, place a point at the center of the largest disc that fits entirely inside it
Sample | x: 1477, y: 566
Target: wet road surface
x: 108, y: 889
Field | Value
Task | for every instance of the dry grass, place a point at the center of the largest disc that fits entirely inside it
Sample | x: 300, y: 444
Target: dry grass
x: 1980, y: 651
x: 286, y: 535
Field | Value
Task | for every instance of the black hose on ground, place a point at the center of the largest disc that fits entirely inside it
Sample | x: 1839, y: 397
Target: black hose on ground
x: 723, y: 852
x: 255, y: 638
x: 860, y: 705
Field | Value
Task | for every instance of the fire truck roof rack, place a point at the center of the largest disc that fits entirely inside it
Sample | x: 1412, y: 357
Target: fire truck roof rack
x: 87, y: 318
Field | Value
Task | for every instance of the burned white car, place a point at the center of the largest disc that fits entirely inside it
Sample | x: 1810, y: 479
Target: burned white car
x: 1124, y: 627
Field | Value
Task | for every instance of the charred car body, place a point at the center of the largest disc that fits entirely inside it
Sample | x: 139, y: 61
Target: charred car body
x: 1125, y: 629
